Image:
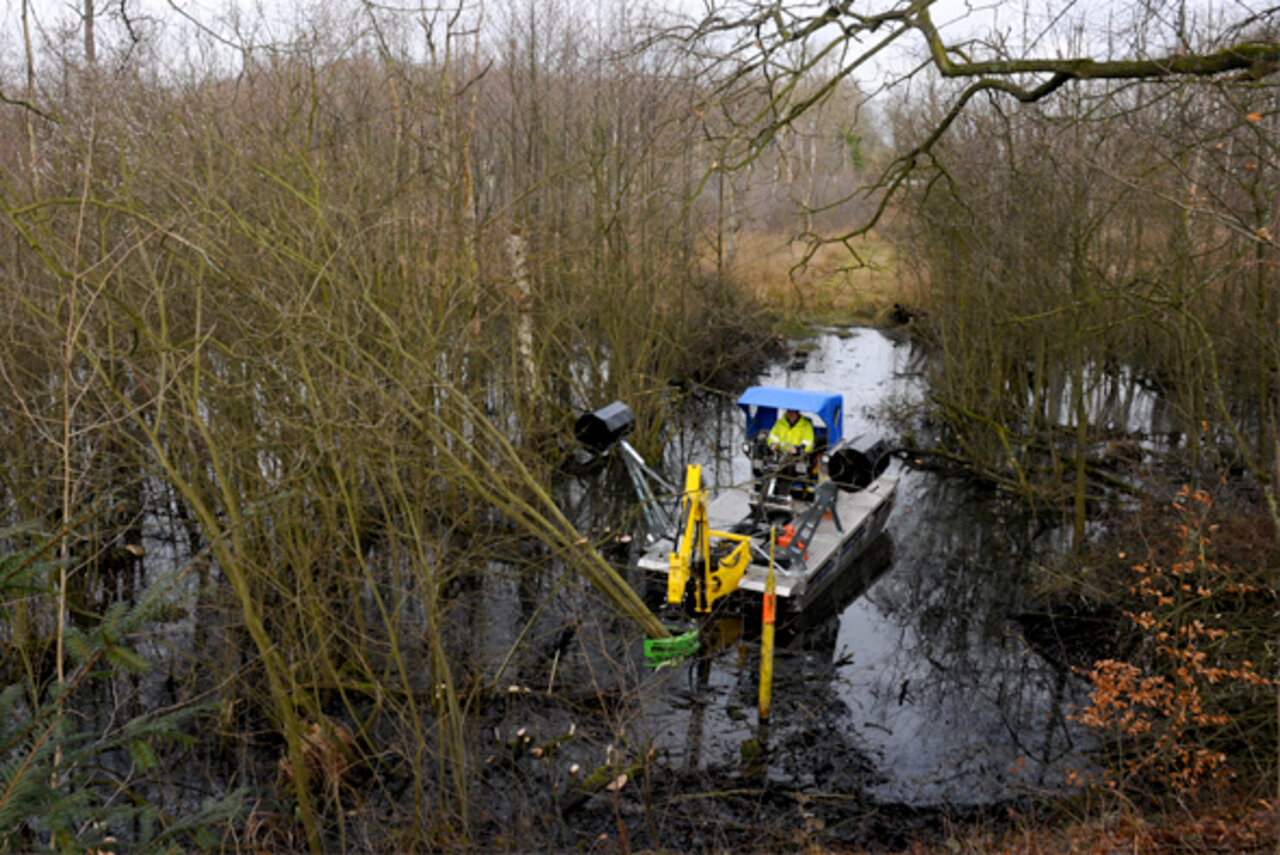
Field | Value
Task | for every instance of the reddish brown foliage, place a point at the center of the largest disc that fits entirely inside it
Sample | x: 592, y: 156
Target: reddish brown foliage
x: 1160, y: 715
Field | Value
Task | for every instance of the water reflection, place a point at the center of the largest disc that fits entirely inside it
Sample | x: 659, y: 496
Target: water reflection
x: 958, y: 708
x: 911, y: 687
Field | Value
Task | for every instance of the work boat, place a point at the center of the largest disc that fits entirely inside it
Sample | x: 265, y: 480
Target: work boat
x: 807, y: 516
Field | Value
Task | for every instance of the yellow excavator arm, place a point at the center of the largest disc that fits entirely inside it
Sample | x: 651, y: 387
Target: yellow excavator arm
x: 692, y: 559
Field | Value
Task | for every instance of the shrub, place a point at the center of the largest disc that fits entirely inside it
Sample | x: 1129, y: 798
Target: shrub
x: 1179, y: 714
x: 75, y: 774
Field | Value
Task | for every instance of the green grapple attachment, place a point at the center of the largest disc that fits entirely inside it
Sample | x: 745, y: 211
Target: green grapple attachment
x: 670, y: 651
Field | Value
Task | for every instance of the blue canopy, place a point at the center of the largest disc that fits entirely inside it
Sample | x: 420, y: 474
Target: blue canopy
x: 761, y: 404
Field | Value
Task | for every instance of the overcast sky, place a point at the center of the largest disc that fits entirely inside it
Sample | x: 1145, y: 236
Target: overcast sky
x: 1043, y: 25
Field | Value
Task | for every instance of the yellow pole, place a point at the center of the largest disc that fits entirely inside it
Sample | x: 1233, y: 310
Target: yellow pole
x: 767, y: 614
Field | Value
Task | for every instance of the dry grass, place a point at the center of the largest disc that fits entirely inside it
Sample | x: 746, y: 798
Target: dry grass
x: 1242, y: 831
x: 833, y: 286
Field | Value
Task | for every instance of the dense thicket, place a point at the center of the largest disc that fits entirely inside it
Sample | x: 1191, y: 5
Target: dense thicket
x: 287, y: 329
x: 1105, y: 303
x: 302, y: 329
x: 1101, y: 268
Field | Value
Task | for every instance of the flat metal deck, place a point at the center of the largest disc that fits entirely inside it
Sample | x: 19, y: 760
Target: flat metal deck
x: 861, y: 514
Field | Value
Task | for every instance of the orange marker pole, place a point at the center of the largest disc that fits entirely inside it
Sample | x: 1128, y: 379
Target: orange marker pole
x: 767, y: 615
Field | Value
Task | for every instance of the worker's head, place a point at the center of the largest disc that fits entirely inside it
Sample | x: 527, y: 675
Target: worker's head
x: 792, y: 416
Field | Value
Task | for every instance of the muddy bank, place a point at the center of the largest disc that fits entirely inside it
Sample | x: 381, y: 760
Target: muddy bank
x: 807, y: 778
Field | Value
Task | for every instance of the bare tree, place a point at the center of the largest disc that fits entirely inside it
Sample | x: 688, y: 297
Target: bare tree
x: 779, y: 49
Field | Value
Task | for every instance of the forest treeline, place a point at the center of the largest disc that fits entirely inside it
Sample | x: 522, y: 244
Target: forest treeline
x: 308, y: 316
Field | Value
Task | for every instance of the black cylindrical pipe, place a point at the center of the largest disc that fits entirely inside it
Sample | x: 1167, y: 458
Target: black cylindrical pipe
x: 852, y: 469
x: 601, y: 428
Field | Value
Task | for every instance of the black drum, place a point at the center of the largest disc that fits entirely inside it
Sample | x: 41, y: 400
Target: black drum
x: 852, y: 469
x: 600, y: 429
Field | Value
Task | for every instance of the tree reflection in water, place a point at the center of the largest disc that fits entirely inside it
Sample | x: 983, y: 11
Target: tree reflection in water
x: 956, y: 705
x: 912, y: 686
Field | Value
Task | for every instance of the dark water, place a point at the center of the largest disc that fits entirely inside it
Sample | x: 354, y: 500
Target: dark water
x: 916, y: 688
x: 911, y: 690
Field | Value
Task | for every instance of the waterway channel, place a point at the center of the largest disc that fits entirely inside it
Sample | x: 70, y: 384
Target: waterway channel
x: 913, y: 687
x: 909, y: 694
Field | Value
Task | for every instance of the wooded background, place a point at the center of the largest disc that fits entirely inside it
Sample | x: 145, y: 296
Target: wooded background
x: 318, y: 305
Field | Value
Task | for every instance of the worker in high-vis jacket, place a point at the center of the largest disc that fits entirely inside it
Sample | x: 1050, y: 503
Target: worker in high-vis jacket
x: 793, y: 434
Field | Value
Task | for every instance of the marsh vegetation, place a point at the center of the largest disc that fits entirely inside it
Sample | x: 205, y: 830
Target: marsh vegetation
x: 293, y: 336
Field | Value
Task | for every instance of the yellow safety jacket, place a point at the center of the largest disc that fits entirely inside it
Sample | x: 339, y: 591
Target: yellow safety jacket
x: 785, y: 435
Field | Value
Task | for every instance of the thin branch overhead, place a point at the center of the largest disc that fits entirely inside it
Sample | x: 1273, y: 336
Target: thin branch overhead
x: 797, y: 55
